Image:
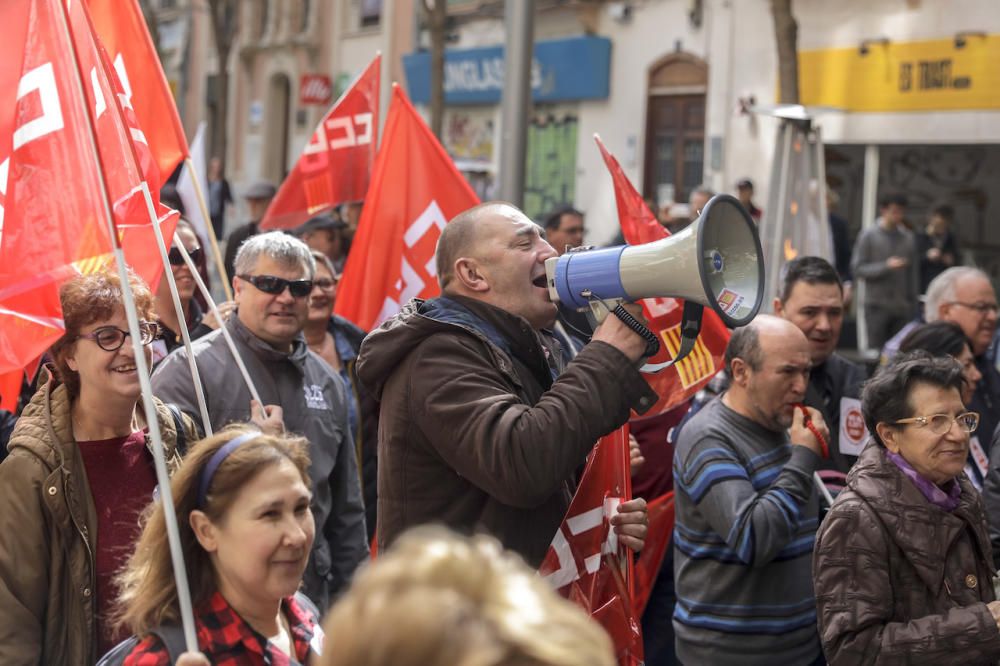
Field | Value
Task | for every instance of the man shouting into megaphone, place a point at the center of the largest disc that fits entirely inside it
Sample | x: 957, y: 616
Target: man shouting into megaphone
x: 482, y: 423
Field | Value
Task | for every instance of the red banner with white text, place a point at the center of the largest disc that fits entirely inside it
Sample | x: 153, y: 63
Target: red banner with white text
x: 336, y: 164
x: 585, y: 562
x: 65, y: 107
x: 415, y: 190
x: 122, y: 29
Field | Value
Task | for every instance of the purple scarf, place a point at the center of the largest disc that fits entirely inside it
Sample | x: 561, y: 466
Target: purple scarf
x: 945, y: 498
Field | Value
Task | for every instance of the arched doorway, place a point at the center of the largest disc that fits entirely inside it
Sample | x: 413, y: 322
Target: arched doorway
x: 276, y: 128
x: 675, y: 128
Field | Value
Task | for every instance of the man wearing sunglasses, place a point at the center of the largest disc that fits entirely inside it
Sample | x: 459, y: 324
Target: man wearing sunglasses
x: 274, y: 274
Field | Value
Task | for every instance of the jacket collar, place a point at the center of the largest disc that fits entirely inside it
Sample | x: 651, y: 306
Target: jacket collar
x: 910, y: 520
x: 504, y: 331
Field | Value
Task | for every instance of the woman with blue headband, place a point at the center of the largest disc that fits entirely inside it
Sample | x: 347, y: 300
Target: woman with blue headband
x: 242, y: 501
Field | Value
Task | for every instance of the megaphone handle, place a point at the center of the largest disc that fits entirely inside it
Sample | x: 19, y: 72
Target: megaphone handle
x: 690, y: 328
x: 652, y: 344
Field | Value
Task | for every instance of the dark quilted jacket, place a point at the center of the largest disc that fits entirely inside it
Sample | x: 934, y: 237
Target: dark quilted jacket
x: 900, y: 581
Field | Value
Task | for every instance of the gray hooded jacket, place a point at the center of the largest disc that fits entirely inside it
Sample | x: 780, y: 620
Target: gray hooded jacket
x: 314, y: 403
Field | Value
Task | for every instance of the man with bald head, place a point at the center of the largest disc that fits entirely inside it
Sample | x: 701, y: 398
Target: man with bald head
x: 481, y: 425
x: 747, y: 510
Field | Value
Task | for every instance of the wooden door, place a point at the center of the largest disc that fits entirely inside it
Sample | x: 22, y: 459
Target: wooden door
x: 675, y: 146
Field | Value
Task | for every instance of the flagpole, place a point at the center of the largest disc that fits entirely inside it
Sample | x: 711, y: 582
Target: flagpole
x: 222, y: 324
x: 209, y: 229
x: 162, y: 247
x: 131, y: 314
x: 199, y: 390
x: 627, y: 490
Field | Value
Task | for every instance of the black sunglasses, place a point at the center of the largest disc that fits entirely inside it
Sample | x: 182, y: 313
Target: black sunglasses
x: 111, y: 338
x: 176, y: 259
x: 269, y: 284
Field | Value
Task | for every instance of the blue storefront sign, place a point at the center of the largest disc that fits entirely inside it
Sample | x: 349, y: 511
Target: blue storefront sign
x: 561, y: 70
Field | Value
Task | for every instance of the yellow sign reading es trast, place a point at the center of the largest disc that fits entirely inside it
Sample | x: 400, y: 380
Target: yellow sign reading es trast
x: 933, y: 75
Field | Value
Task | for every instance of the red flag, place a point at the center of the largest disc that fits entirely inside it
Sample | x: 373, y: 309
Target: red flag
x: 47, y: 239
x: 122, y: 29
x: 336, y: 164
x: 14, y: 18
x: 415, y: 190
x: 678, y: 382
x: 585, y: 562
x: 10, y: 389
x: 661, y: 525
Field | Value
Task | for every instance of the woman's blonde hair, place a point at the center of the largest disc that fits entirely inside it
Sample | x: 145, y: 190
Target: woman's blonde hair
x: 148, y: 594
x: 437, y: 598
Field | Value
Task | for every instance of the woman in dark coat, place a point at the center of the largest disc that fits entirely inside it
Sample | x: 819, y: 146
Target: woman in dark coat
x: 903, y: 566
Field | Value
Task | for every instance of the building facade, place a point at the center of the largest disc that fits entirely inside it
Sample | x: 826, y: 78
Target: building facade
x: 679, y: 91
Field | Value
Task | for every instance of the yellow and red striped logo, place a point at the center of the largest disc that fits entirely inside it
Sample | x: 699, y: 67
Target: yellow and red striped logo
x: 696, y: 366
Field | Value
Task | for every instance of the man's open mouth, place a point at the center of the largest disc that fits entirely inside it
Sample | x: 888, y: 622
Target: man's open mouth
x: 541, y: 281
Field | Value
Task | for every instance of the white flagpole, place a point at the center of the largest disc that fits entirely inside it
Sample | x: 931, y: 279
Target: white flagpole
x: 159, y: 461
x: 222, y: 325
x: 209, y: 229
x: 199, y: 391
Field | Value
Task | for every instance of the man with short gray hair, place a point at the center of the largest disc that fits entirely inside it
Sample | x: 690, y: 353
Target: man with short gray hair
x: 271, y: 288
x: 964, y: 295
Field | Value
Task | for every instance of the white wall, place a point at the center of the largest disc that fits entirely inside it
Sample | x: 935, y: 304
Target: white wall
x: 736, y: 39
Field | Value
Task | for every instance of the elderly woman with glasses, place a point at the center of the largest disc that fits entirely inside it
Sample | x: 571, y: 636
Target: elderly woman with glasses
x: 903, y: 566
x: 79, y: 473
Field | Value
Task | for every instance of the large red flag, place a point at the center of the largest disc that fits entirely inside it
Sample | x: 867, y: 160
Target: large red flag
x: 415, y: 190
x: 678, y: 382
x: 585, y: 562
x: 122, y: 29
x: 57, y: 125
x: 336, y: 164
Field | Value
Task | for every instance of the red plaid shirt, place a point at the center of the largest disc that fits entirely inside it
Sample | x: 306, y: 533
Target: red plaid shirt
x: 227, y: 640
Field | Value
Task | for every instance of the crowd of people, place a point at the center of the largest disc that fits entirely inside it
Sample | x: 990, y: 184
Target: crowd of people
x: 822, y: 515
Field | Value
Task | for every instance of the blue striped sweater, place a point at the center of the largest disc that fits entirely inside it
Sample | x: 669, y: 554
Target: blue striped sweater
x: 747, y: 515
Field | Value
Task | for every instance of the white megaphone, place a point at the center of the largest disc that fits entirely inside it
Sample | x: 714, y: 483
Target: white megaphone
x: 716, y: 262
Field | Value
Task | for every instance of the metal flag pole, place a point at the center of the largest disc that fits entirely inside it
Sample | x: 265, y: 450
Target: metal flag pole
x: 199, y: 390
x: 222, y: 325
x: 162, y: 247
x: 209, y: 229
x: 142, y: 367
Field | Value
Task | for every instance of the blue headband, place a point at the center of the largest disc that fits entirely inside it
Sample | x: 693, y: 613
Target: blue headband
x: 208, y: 471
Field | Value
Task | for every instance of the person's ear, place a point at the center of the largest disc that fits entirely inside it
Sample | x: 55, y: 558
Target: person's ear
x: 943, y: 311
x: 740, y: 371
x: 69, y: 355
x: 778, y: 307
x: 470, y: 275
x: 888, y: 435
x: 204, y: 531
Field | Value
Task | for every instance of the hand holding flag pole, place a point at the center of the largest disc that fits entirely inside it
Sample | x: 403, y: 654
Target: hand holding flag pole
x: 159, y: 461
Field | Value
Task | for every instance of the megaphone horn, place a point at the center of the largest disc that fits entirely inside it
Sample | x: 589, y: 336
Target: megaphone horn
x: 716, y: 262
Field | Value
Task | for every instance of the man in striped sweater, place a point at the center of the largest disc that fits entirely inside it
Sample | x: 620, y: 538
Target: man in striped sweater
x: 747, y: 510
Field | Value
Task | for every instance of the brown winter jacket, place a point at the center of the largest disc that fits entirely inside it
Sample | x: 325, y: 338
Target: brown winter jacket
x: 900, y: 581
x: 48, y: 526
x: 474, y: 433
